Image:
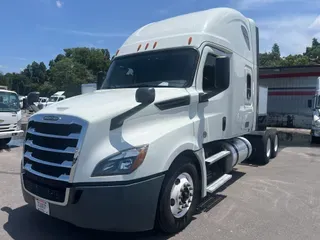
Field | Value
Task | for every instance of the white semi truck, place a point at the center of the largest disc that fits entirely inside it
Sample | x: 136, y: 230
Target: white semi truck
x: 10, y: 116
x: 293, y: 99
x: 315, y: 106
x: 176, y: 112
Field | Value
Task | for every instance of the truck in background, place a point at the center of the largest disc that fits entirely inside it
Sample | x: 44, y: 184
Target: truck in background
x: 88, y: 88
x: 10, y: 116
x: 293, y: 97
x: 176, y: 112
x: 57, y: 97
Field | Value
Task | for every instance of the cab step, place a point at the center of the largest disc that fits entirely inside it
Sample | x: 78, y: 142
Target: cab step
x: 217, y: 157
x: 218, y: 183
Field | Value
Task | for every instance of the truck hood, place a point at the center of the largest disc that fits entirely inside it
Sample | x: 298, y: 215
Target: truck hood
x: 103, y: 104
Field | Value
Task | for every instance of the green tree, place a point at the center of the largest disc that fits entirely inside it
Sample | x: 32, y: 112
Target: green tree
x: 68, y: 75
x: 276, y: 51
x: 313, y: 52
x: 295, y: 60
x: 94, y: 59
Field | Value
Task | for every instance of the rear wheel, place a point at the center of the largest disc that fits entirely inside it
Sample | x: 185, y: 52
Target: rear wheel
x: 275, y: 145
x: 262, y: 145
x: 179, y: 197
x: 314, y: 139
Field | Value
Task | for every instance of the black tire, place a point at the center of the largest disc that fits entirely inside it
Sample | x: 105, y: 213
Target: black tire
x: 314, y: 140
x: 274, y: 145
x: 166, y: 221
x: 4, y: 142
x: 259, y: 145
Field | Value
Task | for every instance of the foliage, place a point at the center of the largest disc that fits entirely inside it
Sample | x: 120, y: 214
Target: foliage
x: 273, y: 58
x: 66, y: 72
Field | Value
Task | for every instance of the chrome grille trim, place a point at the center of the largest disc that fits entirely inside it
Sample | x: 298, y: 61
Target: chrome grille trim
x: 8, y: 127
x: 28, y: 167
x: 69, y: 150
x: 65, y: 164
x: 70, y: 153
x: 71, y: 136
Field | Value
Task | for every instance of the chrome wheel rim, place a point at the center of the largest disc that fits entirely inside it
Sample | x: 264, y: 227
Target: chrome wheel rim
x: 181, y: 195
x: 268, y: 147
x: 276, y: 143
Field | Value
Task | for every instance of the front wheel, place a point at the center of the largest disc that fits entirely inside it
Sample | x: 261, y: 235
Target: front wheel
x: 179, y: 197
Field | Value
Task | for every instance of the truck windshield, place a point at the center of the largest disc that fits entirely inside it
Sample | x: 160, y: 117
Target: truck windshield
x: 165, y: 68
x: 9, y: 102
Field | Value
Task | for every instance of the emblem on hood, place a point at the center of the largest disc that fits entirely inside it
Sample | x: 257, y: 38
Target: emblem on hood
x: 51, y: 118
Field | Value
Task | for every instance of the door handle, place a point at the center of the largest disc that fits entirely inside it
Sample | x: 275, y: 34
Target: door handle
x: 224, y: 123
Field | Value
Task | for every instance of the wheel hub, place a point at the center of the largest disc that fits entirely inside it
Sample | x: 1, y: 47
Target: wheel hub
x: 181, y: 195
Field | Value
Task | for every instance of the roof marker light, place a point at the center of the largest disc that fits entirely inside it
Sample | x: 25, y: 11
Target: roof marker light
x: 117, y: 52
x: 146, y: 46
x: 190, y: 40
x: 154, y: 45
x: 139, y: 48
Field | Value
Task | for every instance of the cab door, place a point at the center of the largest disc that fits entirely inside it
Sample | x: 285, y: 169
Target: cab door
x: 213, y: 82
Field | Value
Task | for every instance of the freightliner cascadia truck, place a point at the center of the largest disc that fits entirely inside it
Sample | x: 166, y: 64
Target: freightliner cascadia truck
x: 177, y: 110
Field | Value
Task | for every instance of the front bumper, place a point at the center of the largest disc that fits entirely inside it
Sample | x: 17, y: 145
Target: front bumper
x: 129, y: 207
x: 11, y: 134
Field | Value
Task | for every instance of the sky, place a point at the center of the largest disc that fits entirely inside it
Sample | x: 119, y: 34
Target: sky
x: 38, y: 30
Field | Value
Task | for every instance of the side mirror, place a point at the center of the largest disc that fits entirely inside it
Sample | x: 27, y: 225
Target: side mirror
x: 309, y: 103
x: 32, y: 98
x: 100, y: 79
x: 145, y: 95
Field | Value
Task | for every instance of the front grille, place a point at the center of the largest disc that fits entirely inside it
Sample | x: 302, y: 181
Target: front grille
x: 49, y: 153
x: 7, y: 127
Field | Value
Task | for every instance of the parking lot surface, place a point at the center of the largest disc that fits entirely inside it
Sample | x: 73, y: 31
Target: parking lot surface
x: 278, y: 201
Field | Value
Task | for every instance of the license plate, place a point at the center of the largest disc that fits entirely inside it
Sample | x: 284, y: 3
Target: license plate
x: 42, y: 206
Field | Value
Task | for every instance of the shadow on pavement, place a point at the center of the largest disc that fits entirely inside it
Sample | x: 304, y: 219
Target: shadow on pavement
x: 14, y: 143
x: 213, y: 199
x: 25, y: 223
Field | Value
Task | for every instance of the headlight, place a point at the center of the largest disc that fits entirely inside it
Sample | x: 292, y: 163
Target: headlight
x: 124, y: 162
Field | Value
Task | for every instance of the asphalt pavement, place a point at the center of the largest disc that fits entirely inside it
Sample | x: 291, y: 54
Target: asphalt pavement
x: 277, y: 201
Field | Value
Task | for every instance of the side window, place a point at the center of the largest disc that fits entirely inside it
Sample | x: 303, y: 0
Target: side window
x: 215, y: 74
x: 209, y: 73
x: 248, y: 86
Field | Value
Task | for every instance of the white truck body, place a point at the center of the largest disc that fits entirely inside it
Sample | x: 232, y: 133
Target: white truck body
x: 315, y: 126
x: 180, y: 97
x: 57, y: 97
x: 293, y: 98
x: 290, y: 101
x: 10, y: 116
